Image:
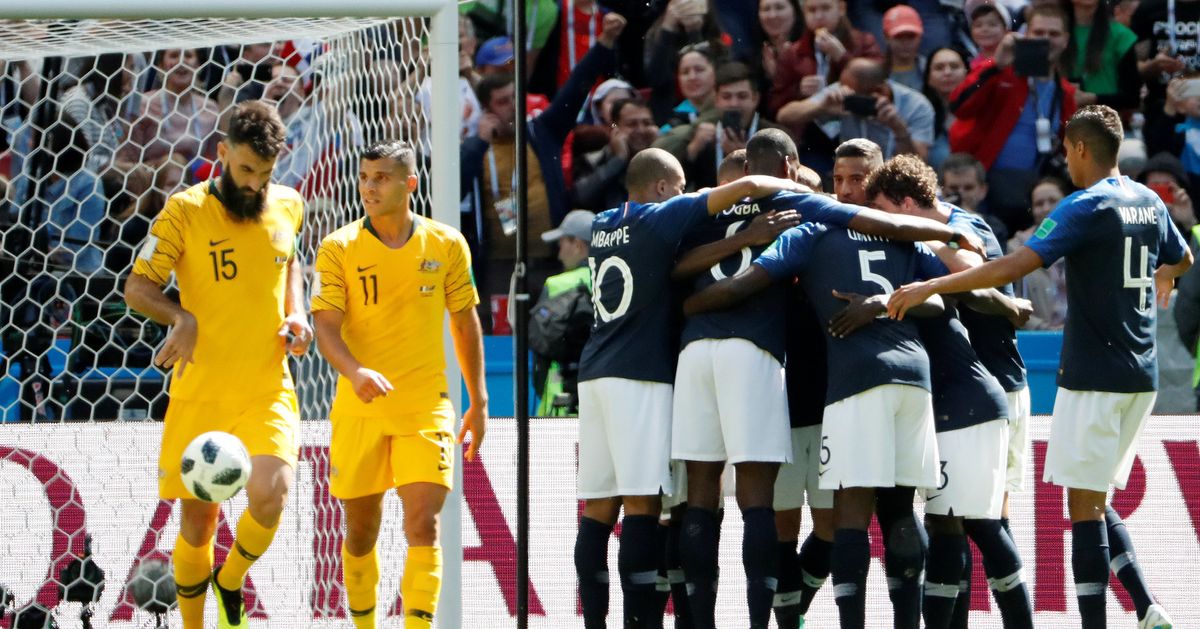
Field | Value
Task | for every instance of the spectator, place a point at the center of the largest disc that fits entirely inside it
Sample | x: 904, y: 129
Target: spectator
x: 1100, y: 59
x: 779, y: 24
x: 75, y: 199
x: 1123, y: 10
x: 964, y: 183
x: 495, y: 56
x: 247, y: 76
x: 941, y: 19
x: 902, y: 30
x: 557, y: 380
x: 177, y: 117
x: 1187, y: 313
x: 1165, y: 176
x: 1046, y: 288
x: 702, y: 145
x: 95, y: 101
x: 600, y: 178
x: 866, y: 104
x: 990, y: 22
x: 696, y: 74
x: 1163, y: 54
x: 1013, y: 124
x: 685, y: 28
x: 467, y: 80
x: 1177, y: 129
x: 578, y: 26
x: 819, y: 56
x: 946, y: 70
x: 487, y: 163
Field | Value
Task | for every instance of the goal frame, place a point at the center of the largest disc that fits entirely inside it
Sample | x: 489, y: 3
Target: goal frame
x: 444, y: 180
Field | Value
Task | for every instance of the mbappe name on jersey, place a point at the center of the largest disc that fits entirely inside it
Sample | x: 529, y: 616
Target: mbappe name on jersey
x: 619, y: 236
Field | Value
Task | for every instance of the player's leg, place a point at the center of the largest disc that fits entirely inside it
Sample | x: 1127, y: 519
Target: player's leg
x: 787, y: 595
x: 1089, y: 554
x: 947, y: 546
x: 755, y: 495
x: 422, y: 580
x: 192, y: 559
x: 675, y: 574
x: 851, y: 555
x: 1002, y: 564
x: 962, y: 607
x: 816, y: 553
x: 360, y: 559
x: 597, y: 486
x: 701, y: 536
x: 636, y: 560
x: 905, y: 547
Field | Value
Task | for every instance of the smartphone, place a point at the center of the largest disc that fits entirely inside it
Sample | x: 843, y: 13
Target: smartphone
x: 731, y: 119
x: 1165, y: 191
x: 1031, y: 57
x: 860, y: 105
x: 1191, y: 88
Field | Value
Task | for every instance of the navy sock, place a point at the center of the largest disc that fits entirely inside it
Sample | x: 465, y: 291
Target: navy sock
x: 761, y: 562
x: 942, y: 576
x: 591, y: 566
x: 662, y: 586
x: 1124, y: 563
x: 1004, y: 524
x: 816, y: 555
x: 962, y: 605
x: 906, y: 546
x: 1089, y: 564
x: 637, y: 563
x: 679, y: 597
x: 787, y: 596
x: 698, y: 551
x: 1002, y: 563
x: 851, y: 560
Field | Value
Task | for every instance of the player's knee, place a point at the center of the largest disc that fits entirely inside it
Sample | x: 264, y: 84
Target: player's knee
x: 943, y: 525
x: 198, y: 522
x: 787, y: 524
x: 421, y: 525
x: 823, y: 523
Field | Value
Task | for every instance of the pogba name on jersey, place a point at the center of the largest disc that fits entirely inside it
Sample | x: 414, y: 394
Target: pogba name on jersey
x: 619, y: 236
x: 742, y: 209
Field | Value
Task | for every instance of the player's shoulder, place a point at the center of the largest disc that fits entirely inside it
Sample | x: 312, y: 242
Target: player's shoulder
x: 284, y: 194
x: 440, y: 230
x: 189, y: 199
x: 344, y: 235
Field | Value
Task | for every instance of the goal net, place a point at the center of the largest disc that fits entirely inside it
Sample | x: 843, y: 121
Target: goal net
x: 100, y: 121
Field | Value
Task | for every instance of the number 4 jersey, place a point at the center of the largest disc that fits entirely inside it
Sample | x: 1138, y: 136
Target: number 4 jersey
x: 232, y: 277
x: 1113, y: 236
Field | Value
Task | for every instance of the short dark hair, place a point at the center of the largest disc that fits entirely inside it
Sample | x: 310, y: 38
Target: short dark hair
x: 904, y: 176
x: 1052, y: 11
x: 734, y: 72
x: 766, y: 149
x: 733, y: 166
x: 650, y: 166
x: 965, y: 161
x: 619, y: 106
x: 490, y: 83
x: 396, y: 150
x: 861, y: 148
x: 257, y: 124
x: 1099, y: 128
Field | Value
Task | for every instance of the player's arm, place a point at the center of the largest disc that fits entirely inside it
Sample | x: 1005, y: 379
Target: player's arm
x: 752, y: 186
x: 955, y: 259
x: 994, y: 273
x: 145, y: 296
x: 729, y: 291
x: 468, y: 348
x: 762, y: 231
x: 295, y: 320
x: 1164, y: 277
x: 863, y: 310
x: 368, y: 384
x: 912, y: 229
x: 991, y: 301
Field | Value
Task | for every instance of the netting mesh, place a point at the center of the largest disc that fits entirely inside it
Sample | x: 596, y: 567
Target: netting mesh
x: 100, y: 121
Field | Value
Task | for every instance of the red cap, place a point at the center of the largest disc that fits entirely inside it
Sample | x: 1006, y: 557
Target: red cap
x: 902, y: 19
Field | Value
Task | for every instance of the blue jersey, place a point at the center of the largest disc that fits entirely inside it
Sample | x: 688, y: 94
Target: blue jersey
x: 1113, y: 236
x: 759, y: 318
x: 993, y: 336
x: 827, y: 259
x: 806, y: 372
x: 964, y: 392
x: 632, y: 252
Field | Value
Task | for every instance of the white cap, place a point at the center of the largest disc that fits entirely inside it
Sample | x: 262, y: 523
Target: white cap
x: 577, y: 223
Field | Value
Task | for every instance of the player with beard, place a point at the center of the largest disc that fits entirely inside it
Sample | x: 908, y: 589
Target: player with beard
x: 231, y: 244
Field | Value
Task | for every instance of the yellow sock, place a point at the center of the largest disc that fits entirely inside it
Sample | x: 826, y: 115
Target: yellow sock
x: 361, y: 577
x: 193, y: 567
x: 251, y: 542
x: 420, y: 586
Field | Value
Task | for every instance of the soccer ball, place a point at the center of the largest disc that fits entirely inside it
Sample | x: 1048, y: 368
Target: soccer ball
x: 215, y: 466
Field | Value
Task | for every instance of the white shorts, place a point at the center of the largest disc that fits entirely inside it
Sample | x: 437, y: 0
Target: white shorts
x: 730, y: 404
x: 624, y: 438
x: 1018, y: 438
x: 1093, y: 438
x: 799, y: 478
x: 973, y: 471
x: 882, y: 437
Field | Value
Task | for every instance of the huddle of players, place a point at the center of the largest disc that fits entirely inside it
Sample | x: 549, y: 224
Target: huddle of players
x: 382, y: 287
x: 936, y: 401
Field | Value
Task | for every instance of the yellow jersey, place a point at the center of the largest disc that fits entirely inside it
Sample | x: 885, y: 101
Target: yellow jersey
x: 394, y: 302
x: 232, y: 277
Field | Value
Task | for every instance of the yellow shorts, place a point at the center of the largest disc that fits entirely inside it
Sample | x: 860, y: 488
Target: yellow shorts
x: 267, y: 426
x: 370, y: 455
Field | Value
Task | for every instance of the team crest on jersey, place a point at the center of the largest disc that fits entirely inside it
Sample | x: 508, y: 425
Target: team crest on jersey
x: 427, y: 290
x: 429, y: 266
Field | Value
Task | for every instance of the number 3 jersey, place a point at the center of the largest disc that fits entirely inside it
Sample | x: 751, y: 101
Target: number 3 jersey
x: 394, y: 302
x: 632, y: 253
x: 232, y: 277
x: 1113, y: 236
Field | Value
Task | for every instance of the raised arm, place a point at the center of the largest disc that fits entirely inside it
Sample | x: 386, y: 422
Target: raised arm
x: 728, y: 291
x: 912, y: 229
x: 762, y: 231
x: 997, y: 272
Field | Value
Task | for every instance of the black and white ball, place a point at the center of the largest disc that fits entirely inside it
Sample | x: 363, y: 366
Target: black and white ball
x: 153, y: 586
x: 215, y: 466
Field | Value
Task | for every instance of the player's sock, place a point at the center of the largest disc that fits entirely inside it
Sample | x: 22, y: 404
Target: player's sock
x: 420, y: 585
x: 1125, y: 564
x: 962, y: 606
x: 759, y: 540
x: 662, y: 585
x: 1089, y: 563
x: 942, y: 577
x: 636, y: 563
x: 361, y: 576
x: 251, y: 542
x: 1002, y: 563
x: 698, y: 550
x: 851, y: 560
x: 906, y: 546
x: 591, y: 566
x: 788, y: 595
x: 679, y: 595
x: 193, y: 568
x: 816, y: 555
x: 1004, y: 524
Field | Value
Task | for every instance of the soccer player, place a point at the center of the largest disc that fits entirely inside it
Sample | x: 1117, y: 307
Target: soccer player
x: 1121, y: 247
x: 231, y: 244
x: 384, y: 284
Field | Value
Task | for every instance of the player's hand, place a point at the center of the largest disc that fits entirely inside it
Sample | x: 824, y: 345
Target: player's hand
x: 1024, y: 309
x: 369, y: 384
x: 973, y: 243
x: 860, y: 312
x: 906, y: 297
x: 1163, y: 285
x: 474, y: 422
x: 180, y: 343
x: 611, y: 29
x: 765, y: 228
x: 297, y: 326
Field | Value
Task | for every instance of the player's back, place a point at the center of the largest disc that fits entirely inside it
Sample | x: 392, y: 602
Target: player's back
x: 632, y: 253
x: 965, y: 393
